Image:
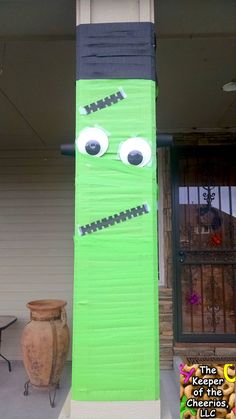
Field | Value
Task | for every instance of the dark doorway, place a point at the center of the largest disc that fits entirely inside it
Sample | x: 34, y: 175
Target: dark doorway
x: 204, y: 225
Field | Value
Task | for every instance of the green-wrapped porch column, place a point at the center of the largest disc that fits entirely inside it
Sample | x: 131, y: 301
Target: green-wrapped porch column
x: 115, y: 324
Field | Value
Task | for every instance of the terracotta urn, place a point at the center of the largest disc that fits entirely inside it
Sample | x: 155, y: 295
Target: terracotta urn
x: 45, y: 342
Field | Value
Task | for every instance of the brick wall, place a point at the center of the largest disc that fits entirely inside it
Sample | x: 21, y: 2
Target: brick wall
x: 166, y: 328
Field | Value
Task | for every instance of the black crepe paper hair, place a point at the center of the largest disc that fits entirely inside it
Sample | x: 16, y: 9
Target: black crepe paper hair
x: 115, y: 51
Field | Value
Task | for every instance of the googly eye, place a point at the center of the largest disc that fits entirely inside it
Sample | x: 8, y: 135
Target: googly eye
x: 92, y: 141
x: 135, y: 151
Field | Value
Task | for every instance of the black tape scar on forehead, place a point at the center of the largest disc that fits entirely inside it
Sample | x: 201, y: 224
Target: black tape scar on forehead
x: 103, y: 103
x: 113, y: 219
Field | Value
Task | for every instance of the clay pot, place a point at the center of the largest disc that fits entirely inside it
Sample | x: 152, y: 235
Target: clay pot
x: 45, y: 342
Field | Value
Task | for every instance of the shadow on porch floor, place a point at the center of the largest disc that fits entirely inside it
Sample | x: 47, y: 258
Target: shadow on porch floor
x: 14, y: 405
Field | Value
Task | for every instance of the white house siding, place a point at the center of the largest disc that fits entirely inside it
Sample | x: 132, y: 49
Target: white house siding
x: 36, y: 235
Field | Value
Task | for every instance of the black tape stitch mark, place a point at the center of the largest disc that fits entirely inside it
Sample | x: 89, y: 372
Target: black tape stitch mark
x: 103, y: 103
x: 114, y: 219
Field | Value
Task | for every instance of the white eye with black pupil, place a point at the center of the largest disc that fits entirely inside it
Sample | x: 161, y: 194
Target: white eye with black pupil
x: 135, y: 151
x: 92, y: 141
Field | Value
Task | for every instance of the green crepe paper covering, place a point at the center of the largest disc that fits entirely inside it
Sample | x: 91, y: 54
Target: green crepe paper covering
x: 115, y: 331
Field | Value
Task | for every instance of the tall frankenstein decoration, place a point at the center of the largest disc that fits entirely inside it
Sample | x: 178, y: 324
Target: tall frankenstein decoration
x: 115, y: 332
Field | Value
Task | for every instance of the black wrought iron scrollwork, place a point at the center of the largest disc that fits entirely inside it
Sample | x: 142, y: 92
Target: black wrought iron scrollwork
x: 215, y: 308
x: 214, y: 318
x: 206, y: 249
x: 209, y: 196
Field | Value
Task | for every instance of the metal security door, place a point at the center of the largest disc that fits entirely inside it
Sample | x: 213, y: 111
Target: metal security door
x: 204, y: 192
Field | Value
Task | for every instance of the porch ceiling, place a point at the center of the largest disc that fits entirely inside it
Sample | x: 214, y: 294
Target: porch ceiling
x: 196, y: 55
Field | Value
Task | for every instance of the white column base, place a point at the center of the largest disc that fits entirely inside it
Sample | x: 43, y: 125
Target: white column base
x: 115, y: 410
x: 65, y: 411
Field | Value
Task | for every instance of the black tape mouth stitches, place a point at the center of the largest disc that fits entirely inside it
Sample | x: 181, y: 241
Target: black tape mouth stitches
x: 114, y: 219
x: 103, y: 103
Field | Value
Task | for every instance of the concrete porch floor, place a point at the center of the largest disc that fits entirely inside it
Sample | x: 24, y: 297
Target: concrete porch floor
x: 14, y: 405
